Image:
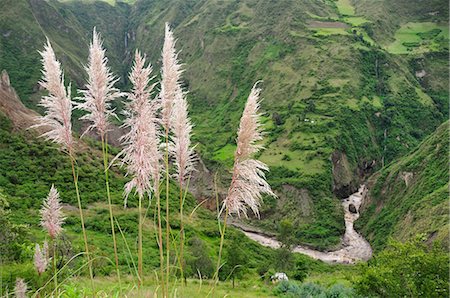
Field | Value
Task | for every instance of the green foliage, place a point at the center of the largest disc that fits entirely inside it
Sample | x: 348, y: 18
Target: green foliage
x: 373, y: 73
x: 406, y: 270
x: 293, y: 290
x: 236, y: 260
x: 13, y: 237
x: 283, y: 259
x: 42, y: 159
x: 411, y: 192
x: 423, y: 37
x: 300, y: 271
x: 199, y: 261
x: 286, y: 233
x: 10, y: 272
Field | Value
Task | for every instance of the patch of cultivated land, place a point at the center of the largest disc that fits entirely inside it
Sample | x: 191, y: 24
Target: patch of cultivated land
x: 419, y: 38
x: 345, y: 7
x: 320, y: 24
x: 356, y: 21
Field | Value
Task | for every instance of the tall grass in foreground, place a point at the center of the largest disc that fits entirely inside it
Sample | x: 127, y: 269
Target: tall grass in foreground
x: 175, y: 119
x: 170, y: 74
x: 153, y: 123
x: 52, y: 220
x: 141, y: 152
x: 248, y: 182
x: 57, y: 121
x: 96, y: 102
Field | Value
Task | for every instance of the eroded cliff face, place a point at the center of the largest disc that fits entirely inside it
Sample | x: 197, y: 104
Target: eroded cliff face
x: 345, y: 178
x: 11, y: 105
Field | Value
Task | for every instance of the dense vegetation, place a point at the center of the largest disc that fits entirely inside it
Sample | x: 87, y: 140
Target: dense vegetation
x: 411, y: 192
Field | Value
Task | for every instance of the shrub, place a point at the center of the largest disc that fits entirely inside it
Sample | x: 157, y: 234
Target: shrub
x: 286, y: 288
x: 406, y: 270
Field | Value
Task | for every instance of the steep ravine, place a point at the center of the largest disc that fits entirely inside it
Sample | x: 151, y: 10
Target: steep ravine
x: 354, y: 247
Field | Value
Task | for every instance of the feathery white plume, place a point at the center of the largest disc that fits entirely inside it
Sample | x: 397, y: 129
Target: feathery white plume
x: 175, y: 106
x: 180, y: 145
x: 21, y: 288
x: 248, y: 181
x: 40, y: 258
x: 100, y: 91
x: 51, y: 215
x: 170, y: 77
x: 57, y: 103
x: 141, y: 152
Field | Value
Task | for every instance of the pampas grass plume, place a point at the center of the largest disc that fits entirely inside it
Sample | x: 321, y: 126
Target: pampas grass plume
x: 21, y: 288
x: 141, y: 144
x: 248, y: 181
x: 40, y: 258
x: 51, y: 215
x: 170, y: 76
x: 57, y: 104
x: 100, y: 90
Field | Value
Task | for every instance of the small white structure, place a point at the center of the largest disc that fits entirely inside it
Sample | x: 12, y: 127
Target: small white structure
x: 279, y: 276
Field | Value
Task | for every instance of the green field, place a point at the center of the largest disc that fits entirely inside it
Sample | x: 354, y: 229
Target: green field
x: 330, y: 31
x: 419, y: 38
x: 107, y: 287
x: 356, y: 21
x: 345, y: 7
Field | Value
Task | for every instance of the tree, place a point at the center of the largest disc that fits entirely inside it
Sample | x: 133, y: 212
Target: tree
x: 286, y: 234
x: 284, y: 260
x: 235, y: 260
x: 199, y: 260
x: 300, y: 271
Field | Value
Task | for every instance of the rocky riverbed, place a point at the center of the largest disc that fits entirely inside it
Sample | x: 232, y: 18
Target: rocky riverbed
x: 354, y: 246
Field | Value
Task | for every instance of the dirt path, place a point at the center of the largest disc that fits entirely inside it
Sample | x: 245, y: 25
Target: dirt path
x: 355, y: 247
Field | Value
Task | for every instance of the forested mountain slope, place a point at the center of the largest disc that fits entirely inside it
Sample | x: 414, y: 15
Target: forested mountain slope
x: 410, y: 196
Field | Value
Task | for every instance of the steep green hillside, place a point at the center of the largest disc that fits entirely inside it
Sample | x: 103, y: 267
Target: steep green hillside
x: 21, y: 40
x: 24, y: 25
x: 410, y: 196
x: 338, y: 103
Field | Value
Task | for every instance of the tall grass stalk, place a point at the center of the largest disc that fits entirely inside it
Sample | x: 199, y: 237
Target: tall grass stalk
x: 96, y: 102
x: 54, y: 265
x: 160, y: 241
x: 222, y: 235
x: 111, y: 217
x: 222, y: 238
x: 182, y: 200
x: 167, y: 213
x: 86, y: 248
x: 128, y: 248
x: 181, y: 257
x: 140, y: 244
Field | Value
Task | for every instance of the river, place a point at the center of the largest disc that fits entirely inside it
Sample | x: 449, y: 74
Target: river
x: 354, y: 247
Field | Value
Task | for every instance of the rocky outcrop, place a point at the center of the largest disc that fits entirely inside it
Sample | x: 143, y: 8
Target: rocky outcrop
x: 407, y: 177
x: 201, y: 186
x: 297, y: 201
x: 11, y: 105
x: 4, y: 81
x: 345, y: 182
